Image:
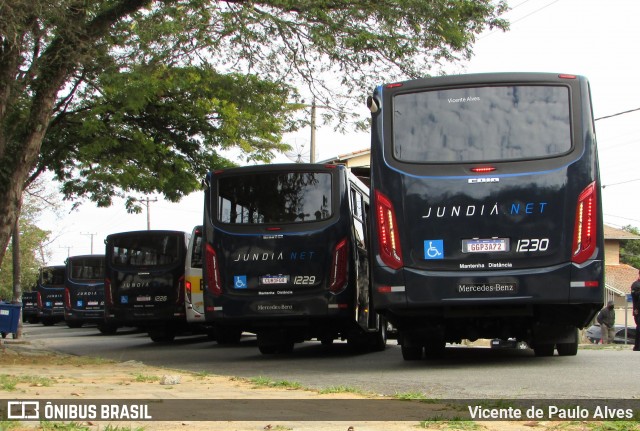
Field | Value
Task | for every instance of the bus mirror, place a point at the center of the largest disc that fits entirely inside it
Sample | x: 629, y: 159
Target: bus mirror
x: 373, y: 104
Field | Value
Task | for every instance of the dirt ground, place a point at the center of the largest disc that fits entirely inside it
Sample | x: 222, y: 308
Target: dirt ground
x: 46, y: 375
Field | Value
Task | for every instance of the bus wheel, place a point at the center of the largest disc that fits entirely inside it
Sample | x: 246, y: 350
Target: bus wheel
x: 268, y: 349
x: 411, y: 353
x: 161, y: 336
x: 543, y: 349
x: 107, y: 329
x: 228, y: 336
x: 326, y: 341
x: 75, y: 323
x: 569, y: 349
x: 379, y: 342
x: 48, y: 321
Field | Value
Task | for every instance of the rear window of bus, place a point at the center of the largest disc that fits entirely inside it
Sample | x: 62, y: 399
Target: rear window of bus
x: 480, y: 124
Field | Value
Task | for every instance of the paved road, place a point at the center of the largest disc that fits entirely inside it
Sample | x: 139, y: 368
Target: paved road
x: 463, y: 372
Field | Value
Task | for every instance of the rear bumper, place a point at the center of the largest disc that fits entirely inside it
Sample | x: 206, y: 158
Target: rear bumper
x: 132, y: 316
x: 55, y: 312
x: 84, y: 315
x: 260, y: 311
x: 501, y: 293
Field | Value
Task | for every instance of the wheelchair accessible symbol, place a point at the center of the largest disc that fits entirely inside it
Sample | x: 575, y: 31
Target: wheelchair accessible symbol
x: 433, y: 249
x: 240, y: 281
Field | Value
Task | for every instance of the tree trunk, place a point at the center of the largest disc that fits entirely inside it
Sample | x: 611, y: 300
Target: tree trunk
x: 17, y: 281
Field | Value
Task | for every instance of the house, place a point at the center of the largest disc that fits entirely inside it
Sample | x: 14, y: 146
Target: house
x: 618, y: 276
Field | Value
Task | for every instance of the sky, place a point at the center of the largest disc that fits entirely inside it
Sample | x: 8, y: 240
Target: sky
x: 595, y: 38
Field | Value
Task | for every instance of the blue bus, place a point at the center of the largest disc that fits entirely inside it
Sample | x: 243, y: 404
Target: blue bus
x: 50, y: 288
x: 488, y: 220
x: 84, y: 291
x: 144, y: 281
x: 286, y: 256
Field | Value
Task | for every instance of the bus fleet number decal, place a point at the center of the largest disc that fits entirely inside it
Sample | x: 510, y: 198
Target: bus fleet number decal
x: 304, y: 279
x: 532, y: 244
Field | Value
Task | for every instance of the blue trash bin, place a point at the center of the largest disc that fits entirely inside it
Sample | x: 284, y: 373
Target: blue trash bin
x: 9, y: 318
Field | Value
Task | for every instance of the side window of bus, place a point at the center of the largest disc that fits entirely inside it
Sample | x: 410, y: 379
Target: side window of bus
x: 357, y: 210
x: 196, y: 253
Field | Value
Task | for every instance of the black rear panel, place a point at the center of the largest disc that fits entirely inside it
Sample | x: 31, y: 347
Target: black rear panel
x: 274, y: 234
x: 145, y: 275
x: 484, y: 174
x: 51, y: 290
x: 84, y: 286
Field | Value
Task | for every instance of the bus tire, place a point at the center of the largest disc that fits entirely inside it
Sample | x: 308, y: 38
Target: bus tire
x: 225, y: 336
x: 411, y: 353
x: 161, y: 336
x: 326, y: 341
x: 75, y: 323
x: 380, y: 336
x: 107, y: 329
x: 543, y: 349
x: 568, y: 349
x: 48, y: 321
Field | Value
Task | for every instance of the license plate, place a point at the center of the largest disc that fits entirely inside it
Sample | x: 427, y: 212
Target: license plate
x: 274, y: 279
x: 485, y: 245
x: 143, y: 298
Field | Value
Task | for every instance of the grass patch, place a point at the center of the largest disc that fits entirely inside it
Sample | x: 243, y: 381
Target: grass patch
x: 202, y: 374
x: 611, y: 426
x: 450, y: 424
x: 51, y: 358
x: 341, y: 389
x: 146, y: 378
x: 6, y: 425
x: 266, y: 382
x: 9, y: 383
x: 413, y: 396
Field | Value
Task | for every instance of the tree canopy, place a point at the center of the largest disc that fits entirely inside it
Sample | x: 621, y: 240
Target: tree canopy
x: 630, y: 248
x: 122, y: 96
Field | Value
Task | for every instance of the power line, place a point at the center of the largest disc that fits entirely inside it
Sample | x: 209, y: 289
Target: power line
x: 521, y: 18
x: 617, y: 114
x: 621, y: 182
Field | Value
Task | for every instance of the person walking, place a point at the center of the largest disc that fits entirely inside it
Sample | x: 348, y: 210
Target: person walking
x: 635, y: 298
x: 607, y: 319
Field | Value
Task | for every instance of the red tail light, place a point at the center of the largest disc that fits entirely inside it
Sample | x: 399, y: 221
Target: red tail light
x: 213, y: 272
x: 67, y: 298
x: 187, y: 288
x: 39, y: 300
x: 584, y: 234
x: 180, y: 296
x: 388, y: 234
x: 339, y: 262
x: 108, y: 298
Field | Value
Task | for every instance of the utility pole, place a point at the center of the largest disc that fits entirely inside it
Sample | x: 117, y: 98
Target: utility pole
x: 91, y: 235
x: 68, y: 247
x: 312, y: 156
x: 147, y: 202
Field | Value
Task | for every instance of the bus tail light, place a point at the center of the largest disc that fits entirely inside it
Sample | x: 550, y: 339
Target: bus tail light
x: 388, y: 234
x: 213, y: 272
x: 585, y: 231
x: 39, y: 300
x: 187, y: 288
x: 67, y: 298
x: 339, y: 262
x: 108, y: 296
